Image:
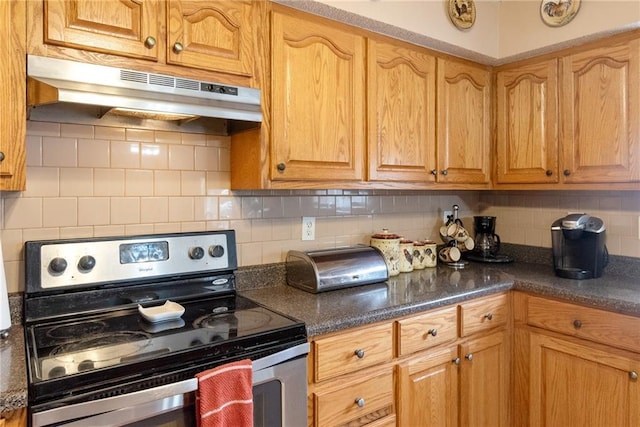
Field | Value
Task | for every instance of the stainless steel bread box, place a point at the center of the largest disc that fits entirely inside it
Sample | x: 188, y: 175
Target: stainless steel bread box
x: 330, y: 269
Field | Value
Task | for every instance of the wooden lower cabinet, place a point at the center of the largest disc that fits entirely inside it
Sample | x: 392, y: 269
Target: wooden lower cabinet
x: 582, y: 385
x: 428, y: 389
x: 461, y: 385
x: 574, y: 365
x: 15, y: 418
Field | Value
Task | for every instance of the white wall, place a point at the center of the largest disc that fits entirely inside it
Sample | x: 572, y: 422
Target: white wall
x: 503, y: 28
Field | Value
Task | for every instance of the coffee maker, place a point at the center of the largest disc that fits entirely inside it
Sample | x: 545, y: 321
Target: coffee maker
x: 579, y: 250
x: 487, y: 242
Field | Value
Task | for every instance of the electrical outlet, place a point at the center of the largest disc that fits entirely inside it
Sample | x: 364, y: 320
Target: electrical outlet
x: 308, y: 228
x: 445, y: 216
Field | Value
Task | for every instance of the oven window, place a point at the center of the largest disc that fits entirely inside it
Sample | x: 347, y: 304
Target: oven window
x: 267, y: 404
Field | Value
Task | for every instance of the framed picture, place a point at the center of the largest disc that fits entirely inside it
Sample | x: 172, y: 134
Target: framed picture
x: 556, y: 13
x: 462, y: 13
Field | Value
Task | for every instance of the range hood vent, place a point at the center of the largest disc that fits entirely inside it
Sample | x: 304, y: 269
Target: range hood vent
x: 52, y: 80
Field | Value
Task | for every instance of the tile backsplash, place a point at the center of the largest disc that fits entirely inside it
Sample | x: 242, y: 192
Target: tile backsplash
x: 88, y: 180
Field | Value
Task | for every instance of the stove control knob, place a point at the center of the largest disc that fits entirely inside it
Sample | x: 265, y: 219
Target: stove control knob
x: 58, y: 265
x: 216, y: 251
x: 196, y: 252
x: 86, y: 262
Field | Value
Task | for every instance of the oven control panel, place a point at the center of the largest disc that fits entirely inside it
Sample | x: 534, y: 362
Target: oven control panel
x: 81, y: 262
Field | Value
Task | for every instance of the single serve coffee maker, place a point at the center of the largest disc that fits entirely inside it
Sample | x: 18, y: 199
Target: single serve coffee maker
x: 579, y: 250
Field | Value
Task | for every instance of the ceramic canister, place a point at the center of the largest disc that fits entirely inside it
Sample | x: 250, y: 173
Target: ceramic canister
x: 430, y: 253
x: 406, y: 256
x: 418, y: 255
x: 389, y: 245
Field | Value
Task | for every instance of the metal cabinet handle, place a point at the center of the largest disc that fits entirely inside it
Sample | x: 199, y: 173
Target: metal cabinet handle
x: 360, y: 402
x: 281, y: 167
x: 359, y: 353
x: 488, y: 316
x: 633, y: 375
x: 566, y: 172
x: 577, y: 324
x: 432, y: 332
x: 150, y: 42
x: 177, y: 47
x: 1, y: 156
x: 549, y: 172
x: 445, y: 172
x: 469, y: 357
x: 434, y: 172
x: 456, y: 361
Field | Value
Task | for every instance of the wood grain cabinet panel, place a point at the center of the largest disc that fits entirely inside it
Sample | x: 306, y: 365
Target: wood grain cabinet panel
x: 483, y: 314
x: 527, y: 123
x: 318, y: 100
x: 464, y: 123
x: 600, y: 111
x: 427, y: 330
x: 213, y: 35
x: 123, y: 27
x: 13, y: 101
x: 347, y: 352
x: 401, y: 88
x: 578, y: 385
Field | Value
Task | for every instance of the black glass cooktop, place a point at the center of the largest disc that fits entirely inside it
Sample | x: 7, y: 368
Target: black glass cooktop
x: 121, y: 345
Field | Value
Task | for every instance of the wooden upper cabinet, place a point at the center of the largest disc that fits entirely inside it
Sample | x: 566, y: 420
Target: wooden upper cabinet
x: 601, y: 114
x: 527, y: 123
x: 464, y: 123
x: 13, y: 102
x: 318, y: 100
x: 401, y: 103
x: 123, y: 27
x: 213, y: 35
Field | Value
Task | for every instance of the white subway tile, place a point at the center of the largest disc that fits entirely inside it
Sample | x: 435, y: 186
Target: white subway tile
x: 60, y: 212
x: 94, y: 211
x: 125, y: 210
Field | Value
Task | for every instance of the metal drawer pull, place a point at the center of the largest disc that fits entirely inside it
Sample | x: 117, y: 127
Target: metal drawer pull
x: 469, y: 357
x: 633, y: 375
x: 360, y: 402
x: 432, y: 332
x: 488, y: 316
x: 577, y: 324
x: 456, y: 361
x: 359, y: 353
x: 149, y: 42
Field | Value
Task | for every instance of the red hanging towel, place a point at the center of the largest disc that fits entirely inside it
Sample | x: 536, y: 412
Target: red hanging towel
x: 225, y: 396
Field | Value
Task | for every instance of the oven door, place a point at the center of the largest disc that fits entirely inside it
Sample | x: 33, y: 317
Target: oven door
x: 279, y: 399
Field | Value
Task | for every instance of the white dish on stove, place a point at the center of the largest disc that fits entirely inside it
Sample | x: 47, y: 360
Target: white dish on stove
x: 168, y: 311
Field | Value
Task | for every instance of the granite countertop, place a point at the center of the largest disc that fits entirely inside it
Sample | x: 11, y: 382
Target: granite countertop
x: 430, y: 288
x: 13, y: 375
x: 618, y: 290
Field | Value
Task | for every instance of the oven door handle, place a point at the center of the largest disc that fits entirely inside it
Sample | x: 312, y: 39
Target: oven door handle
x: 133, y: 414
x: 110, y: 405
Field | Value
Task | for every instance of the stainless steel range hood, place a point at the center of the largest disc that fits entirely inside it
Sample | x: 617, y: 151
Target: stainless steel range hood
x: 140, y: 94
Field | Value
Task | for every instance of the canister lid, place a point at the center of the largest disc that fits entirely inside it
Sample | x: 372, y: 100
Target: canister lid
x: 385, y: 235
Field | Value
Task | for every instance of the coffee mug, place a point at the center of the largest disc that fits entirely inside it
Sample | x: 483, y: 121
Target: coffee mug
x: 457, y: 231
x: 449, y: 254
x: 467, y: 245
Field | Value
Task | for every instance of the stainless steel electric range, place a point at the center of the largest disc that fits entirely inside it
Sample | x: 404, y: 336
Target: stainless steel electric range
x: 116, y: 329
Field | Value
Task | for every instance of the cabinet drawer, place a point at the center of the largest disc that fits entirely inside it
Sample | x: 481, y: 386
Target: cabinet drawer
x: 427, y: 330
x: 482, y: 314
x: 339, y: 406
x: 616, y: 330
x: 351, y: 351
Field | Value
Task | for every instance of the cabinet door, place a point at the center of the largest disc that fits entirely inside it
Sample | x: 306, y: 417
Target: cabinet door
x: 12, y: 96
x: 428, y: 390
x: 317, y: 100
x: 600, y: 110
x: 401, y: 104
x: 464, y: 123
x: 527, y: 123
x: 576, y: 385
x: 212, y: 35
x: 121, y: 27
x: 484, y: 382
